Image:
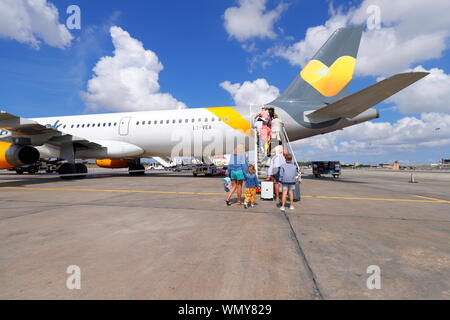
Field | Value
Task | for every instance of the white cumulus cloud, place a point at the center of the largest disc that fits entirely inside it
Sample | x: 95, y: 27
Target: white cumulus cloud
x: 251, y: 20
x: 412, y: 31
x: 33, y: 21
x: 300, y: 52
x: 379, y: 138
x: 431, y: 94
x: 128, y: 81
x: 249, y: 93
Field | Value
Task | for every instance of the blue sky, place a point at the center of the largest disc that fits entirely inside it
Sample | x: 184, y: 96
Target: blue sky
x: 198, y: 52
x: 188, y: 37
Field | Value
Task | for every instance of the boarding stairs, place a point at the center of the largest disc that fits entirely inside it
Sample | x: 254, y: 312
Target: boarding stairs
x: 166, y: 162
x: 262, y: 158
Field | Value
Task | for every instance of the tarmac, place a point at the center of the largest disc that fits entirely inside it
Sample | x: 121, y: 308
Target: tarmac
x: 171, y: 236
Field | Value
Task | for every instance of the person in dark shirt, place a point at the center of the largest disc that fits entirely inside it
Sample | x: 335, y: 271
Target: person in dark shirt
x: 251, y: 184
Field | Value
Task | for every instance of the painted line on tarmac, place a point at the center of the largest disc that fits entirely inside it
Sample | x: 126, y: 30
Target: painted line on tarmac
x: 376, y: 199
x: 425, y: 200
x: 434, y: 199
x: 114, y: 190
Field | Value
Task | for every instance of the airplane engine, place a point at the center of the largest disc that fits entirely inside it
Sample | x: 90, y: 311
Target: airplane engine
x: 14, y: 155
x: 112, y: 164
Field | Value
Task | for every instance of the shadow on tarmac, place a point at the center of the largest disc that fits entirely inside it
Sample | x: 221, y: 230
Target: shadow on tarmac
x: 12, y: 180
x: 27, y: 180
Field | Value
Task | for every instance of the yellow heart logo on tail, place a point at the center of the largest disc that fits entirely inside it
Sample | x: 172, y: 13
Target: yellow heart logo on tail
x: 329, y: 81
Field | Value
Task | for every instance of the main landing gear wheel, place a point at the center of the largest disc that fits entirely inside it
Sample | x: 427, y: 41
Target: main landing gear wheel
x: 80, y: 168
x: 136, y: 170
x: 71, y: 168
x: 65, y: 169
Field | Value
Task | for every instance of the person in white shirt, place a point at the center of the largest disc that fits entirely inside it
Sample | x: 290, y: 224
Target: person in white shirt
x: 277, y: 126
x: 276, y: 161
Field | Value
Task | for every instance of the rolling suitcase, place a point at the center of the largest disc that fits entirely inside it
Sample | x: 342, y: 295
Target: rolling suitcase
x: 267, y: 190
x: 297, y: 196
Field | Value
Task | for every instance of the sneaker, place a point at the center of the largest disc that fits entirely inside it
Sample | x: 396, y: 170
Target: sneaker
x: 245, y: 206
x: 252, y: 205
x: 291, y: 208
x: 279, y: 204
x: 283, y: 209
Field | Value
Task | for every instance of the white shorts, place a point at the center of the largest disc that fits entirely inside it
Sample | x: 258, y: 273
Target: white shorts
x: 288, y: 187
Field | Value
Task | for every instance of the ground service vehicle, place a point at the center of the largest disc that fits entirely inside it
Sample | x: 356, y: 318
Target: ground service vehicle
x: 48, y: 167
x: 326, y: 167
x: 208, y: 170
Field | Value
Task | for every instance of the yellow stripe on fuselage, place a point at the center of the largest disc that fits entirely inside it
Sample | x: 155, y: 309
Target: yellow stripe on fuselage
x: 232, y: 118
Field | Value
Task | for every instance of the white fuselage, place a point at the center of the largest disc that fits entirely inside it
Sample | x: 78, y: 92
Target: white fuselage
x: 164, y: 133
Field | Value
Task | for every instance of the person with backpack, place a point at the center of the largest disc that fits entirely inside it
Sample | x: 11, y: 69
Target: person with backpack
x: 236, y: 170
x: 277, y: 127
x: 288, y: 179
x: 273, y: 172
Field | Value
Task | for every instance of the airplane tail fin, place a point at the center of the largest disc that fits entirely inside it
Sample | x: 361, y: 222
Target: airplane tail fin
x: 325, y: 79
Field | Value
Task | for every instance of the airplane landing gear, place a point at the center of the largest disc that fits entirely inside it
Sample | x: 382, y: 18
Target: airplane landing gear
x: 81, y: 168
x: 67, y: 169
x: 135, y: 168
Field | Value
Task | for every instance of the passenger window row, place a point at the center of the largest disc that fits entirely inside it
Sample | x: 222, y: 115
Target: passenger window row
x: 92, y: 125
x: 149, y: 122
x: 174, y: 121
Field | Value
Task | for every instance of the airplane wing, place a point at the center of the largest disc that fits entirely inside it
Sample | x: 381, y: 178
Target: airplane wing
x: 33, y: 133
x: 360, y: 101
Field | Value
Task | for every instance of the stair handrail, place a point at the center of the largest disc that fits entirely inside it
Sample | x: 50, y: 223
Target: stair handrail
x: 290, y: 148
x: 255, y: 136
x: 255, y: 133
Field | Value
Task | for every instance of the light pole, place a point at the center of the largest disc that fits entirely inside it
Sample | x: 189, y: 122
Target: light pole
x: 439, y: 151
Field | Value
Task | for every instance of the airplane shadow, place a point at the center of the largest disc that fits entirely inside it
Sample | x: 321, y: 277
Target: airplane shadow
x: 26, y: 180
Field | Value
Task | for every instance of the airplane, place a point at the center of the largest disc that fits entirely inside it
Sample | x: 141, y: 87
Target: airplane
x: 316, y: 102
